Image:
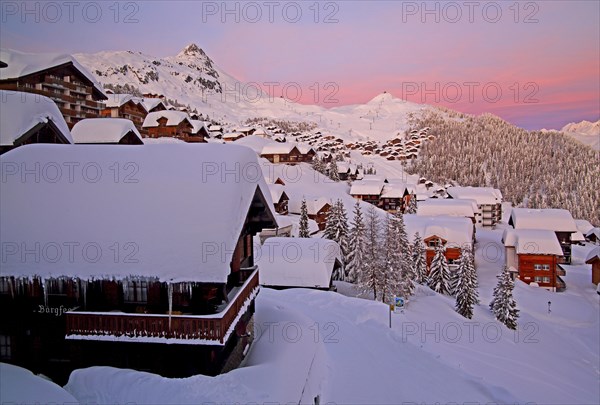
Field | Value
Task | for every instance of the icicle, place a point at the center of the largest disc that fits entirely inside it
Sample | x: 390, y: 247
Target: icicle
x: 170, y: 292
x: 44, y: 283
x: 190, y: 290
x: 84, y: 285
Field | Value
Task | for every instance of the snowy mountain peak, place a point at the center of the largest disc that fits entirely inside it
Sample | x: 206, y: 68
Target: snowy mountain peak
x: 380, y: 98
x: 584, y: 127
x: 192, y: 50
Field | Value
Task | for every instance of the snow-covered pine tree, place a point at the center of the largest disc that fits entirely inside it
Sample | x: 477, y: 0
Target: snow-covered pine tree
x: 503, y: 304
x: 465, y: 288
x: 370, y: 277
x: 318, y: 165
x: 419, y: 263
x: 411, y: 208
x: 303, y: 232
x: 439, y: 273
x: 336, y: 229
x: 334, y: 173
x: 406, y: 271
x: 355, y: 257
x: 393, y: 280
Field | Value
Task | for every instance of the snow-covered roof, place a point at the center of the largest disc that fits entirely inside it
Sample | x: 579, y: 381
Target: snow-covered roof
x: 21, y: 386
x: 150, y: 103
x: 446, y: 206
x: 457, y: 231
x: 254, y: 142
x: 277, y: 191
x: 103, y: 130
x: 593, y: 254
x: 214, y: 127
x: 583, y: 226
x: 232, y: 135
x: 483, y: 195
x: 117, y: 100
x: 553, y: 219
x: 173, y: 118
x: 275, y: 148
x: 20, y: 112
x: 304, y: 148
x: 313, y: 204
x: 297, y: 262
x: 198, y: 125
x: 168, y: 214
x: 366, y: 187
x: 393, y: 191
x: 593, y: 231
x: 532, y: 241
x: 23, y: 64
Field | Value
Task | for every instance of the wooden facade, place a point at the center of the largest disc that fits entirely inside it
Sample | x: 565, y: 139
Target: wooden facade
x: 68, y: 87
x: 320, y: 216
x: 129, y: 110
x: 540, y: 269
x: 281, y: 206
x: 595, y: 262
x: 452, y: 253
x: 292, y: 157
x: 182, y: 131
x: 41, y: 133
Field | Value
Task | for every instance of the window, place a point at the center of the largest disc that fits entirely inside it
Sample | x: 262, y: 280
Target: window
x: 5, y: 349
x: 546, y: 267
x: 538, y: 279
x: 137, y: 291
x: 546, y: 279
x: 537, y: 266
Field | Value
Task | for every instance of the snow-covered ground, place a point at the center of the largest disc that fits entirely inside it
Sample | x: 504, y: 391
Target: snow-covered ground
x: 341, y: 349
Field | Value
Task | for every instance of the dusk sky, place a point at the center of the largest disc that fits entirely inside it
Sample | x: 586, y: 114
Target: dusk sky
x: 543, y: 56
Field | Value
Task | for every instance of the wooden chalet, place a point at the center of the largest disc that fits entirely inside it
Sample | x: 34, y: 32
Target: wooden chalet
x: 174, y: 124
x: 453, y: 233
x: 151, y: 104
x: 125, y: 106
x: 367, y: 190
x: 317, y: 208
x: 232, y: 136
x: 59, y: 77
x: 27, y: 118
x: 106, y: 131
x: 533, y: 255
x: 284, y: 152
x: 593, y: 258
x: 558, y: 221
x: 396, y: 196
x: 165, y: 285
x: 280, y: 198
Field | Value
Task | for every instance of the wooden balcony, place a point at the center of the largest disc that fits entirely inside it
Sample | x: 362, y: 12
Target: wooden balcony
x: 187, y: 329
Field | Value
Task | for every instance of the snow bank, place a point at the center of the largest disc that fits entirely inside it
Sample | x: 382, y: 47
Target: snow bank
x: 21, y: 386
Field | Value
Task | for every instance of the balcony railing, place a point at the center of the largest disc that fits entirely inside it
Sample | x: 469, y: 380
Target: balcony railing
x: 185, y: 328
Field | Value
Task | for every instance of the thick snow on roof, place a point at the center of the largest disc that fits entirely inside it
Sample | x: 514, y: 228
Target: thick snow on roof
x: 553, y: 219
x: 117, y: 100
x: 592, y: 254
x: 274, y: 148
x: 304, y: 148
x: 232, y: 135
x: 20, y: 112
x: 297, y: 262
x: 447, y: 206
x: 166, y: 211
x: 277, y: 191
x: 366, y: 187
x: 103, y: 130
x: 197, y: 124
x: 483, y: 195
x: 457, y: 231
x: 256, y: 143
x: 21, y: 386
x: 532, y: 241
x: 313, y: 204
x: 583, y: 226
x: 173, y: 118
x: 150, y: 103
x: 162, y: 140
x: 393, y: 191
x: 22, y: 64
x: 593, y: 231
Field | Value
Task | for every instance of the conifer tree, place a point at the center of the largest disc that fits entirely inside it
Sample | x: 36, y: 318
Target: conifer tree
x: 303, y: 231
x: 355, y: 258
x: 503, y: 304
x: 370, y: 277
x: 439, y: 274
x: 419, y: 262
x: 465, y: 288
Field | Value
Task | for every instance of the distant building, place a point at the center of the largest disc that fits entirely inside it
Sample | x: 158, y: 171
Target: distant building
x: 125, y: 106
x: 489, y: 202
x: 174, y: 124
x: 593, y: 258
x: 27, y: 118
x: 367, y: 190
x: 318, y: 209
x: 59, y: 77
